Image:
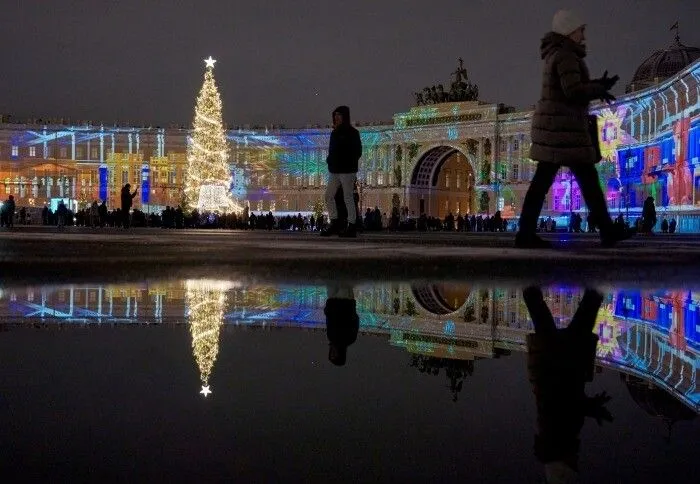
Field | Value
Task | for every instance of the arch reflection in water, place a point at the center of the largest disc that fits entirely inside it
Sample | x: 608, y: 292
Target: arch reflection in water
x: 205, y: 301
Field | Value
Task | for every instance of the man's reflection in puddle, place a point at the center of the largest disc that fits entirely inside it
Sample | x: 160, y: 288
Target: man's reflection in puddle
x: 342, y: 321
x: 560, y: 362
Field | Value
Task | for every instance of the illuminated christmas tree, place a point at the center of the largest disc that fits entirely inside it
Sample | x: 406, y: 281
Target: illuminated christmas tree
x: 208, y: 176
x: 206, y: 301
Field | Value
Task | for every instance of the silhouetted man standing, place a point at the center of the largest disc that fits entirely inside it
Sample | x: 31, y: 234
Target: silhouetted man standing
x: 344, y: 152
x: 127, y: 200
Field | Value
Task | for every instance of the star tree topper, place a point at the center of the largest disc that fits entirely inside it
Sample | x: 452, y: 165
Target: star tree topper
x: 210, y: 62
x: 205, y: 391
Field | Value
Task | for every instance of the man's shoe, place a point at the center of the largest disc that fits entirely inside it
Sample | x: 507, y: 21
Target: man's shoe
x: 523, y: 241
x: 615, y: 235
x: 332, y: 229
x: 350, y: 232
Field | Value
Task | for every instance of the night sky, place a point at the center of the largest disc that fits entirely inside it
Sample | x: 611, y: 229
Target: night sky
x: 291, y: 62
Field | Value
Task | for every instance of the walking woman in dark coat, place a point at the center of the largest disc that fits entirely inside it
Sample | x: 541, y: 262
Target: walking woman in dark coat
x: 560, y: 130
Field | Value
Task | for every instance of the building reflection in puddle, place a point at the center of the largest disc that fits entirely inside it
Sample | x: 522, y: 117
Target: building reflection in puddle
x: 651, y: 336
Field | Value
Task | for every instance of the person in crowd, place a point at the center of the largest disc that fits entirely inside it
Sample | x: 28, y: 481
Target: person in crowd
x: 664, y: 226
x: 560, y: 129
x: 61, y: 214
x: 559, y: 363
x: 127, y: 201
x: 648, y: 216
x: 94, y: 214
x: 344, y: 152
x: 7, y: 212
x: 342, y: 321
x: 102, y: 213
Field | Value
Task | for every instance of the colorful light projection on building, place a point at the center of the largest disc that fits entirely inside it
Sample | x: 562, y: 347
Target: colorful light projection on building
x: 650, y: 144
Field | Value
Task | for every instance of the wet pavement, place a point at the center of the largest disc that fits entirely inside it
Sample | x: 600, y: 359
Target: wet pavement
x: 79, y: 254
x: 242, y: 371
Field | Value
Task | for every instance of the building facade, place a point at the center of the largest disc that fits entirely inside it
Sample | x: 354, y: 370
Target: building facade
x: 453, y: 157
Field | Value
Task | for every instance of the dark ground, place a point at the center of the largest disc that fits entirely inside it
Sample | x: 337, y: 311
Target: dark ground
x: 42, y: 254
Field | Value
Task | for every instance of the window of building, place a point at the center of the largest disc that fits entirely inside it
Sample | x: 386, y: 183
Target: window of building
x: 556, y: 202
x: 447, y: 179
x: 172, y: 177
x: 298, y: 180
x: 15, y: 150
x: 380, y: 178
x: 516, y: 172
x: 79, y: 152
x: 577, y: 201
x: 516, y: 145
x: 312, y: 180
x: 458, y: 179
x: 458, y: 206
x: 368, y: 178
x: 260, y: 206
x: 32, y: 151
x: 272, y: 205
x: 64, y: 152
x: 285, y: 180
x: 93, y: 153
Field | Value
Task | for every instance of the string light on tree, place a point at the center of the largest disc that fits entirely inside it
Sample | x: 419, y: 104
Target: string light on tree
x: 208, y: 175
x: 206, y: 302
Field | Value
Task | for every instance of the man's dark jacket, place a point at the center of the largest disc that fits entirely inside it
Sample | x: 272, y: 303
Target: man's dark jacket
x: 345, y: 147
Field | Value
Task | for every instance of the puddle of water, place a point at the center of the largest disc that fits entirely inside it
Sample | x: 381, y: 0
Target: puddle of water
x: 376, y: 381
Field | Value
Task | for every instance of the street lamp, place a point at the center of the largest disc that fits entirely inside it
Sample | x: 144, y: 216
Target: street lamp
x: 619, y: 200
x: 571, y: 197
x: 627, y: 191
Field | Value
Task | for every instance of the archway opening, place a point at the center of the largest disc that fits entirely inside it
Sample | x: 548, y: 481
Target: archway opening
x: 441, y: 299
x: 442, y: 182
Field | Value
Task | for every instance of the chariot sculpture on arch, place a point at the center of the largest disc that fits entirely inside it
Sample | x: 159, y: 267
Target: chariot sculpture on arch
x: 461, y: 89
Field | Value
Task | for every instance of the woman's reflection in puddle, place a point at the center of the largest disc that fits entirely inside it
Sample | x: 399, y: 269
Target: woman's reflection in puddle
x: 560, y: 362
x: 342, y: 321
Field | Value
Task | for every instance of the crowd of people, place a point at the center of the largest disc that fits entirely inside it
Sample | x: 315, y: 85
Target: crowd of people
x: 98, y: 215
